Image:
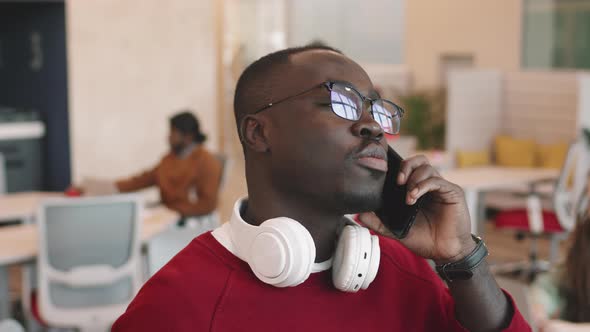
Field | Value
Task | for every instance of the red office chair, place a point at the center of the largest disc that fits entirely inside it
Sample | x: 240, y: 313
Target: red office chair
x: 534, y: 222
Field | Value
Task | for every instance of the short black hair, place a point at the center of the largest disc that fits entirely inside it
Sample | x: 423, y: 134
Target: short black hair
x: 187, y: 123
x: 254, y: 87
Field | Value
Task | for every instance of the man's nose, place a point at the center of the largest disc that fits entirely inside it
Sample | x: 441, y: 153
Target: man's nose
x: 367, y: 128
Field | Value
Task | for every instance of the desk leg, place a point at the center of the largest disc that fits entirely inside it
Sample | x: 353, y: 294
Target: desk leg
x: 472, y: 199
x: 4, y: 294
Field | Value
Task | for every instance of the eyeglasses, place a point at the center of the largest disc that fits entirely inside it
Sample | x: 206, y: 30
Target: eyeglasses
x: 348, y: 103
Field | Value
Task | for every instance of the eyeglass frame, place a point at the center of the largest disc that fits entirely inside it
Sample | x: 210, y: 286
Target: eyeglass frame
x: 329, y: 85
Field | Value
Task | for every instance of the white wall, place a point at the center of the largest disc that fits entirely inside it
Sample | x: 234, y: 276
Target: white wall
x: 541, y: 105
x: 490, y: 31
x: 474, y: 109
x: 131, y: 65
x: 546, y: 107
x: 367, y: 31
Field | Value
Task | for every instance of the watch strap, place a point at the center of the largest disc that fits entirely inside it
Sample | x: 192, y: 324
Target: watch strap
x: 463, y: 268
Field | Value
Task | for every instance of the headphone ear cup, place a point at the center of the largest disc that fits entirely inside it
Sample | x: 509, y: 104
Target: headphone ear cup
x: 304, y: 257
x: 374, y: 262
x: 297, y: 248
x: 352, y: 258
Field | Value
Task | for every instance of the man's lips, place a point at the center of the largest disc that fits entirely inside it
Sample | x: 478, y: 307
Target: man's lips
x: 373, y: 163
x: 373, y: 157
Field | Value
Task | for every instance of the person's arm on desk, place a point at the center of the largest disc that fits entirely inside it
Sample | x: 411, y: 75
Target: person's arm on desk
x: 138, y: 182
x: 442, y: 232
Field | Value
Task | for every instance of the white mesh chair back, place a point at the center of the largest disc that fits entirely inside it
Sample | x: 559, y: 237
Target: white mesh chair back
x: 89, y: 259
x: 569, y: 197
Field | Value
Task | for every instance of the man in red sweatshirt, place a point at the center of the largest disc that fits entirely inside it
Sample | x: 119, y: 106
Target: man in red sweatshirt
x: 312, y: 128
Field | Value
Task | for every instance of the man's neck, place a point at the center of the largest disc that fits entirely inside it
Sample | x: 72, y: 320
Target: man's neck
x: 186, y: 151
x: 323, y: 227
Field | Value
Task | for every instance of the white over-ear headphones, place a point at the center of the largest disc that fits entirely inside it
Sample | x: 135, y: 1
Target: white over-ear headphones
x: 281, y: 252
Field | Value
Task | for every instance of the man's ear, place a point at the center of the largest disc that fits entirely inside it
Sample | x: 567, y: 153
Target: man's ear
x: 253, y: 134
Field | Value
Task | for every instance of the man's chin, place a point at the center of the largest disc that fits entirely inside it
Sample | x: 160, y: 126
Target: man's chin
x: 176, y: 149
x: 357, y: 202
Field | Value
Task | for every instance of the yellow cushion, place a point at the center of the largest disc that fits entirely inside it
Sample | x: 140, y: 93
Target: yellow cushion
x: 552, y: 155
x: 472, y: 158
x: 512, y: 152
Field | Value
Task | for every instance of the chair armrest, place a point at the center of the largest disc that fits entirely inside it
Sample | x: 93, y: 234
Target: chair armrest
x: 88, y: 276
x: 535, y: 214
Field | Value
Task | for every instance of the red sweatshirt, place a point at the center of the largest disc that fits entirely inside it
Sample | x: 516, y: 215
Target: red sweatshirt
x: 207, y: 288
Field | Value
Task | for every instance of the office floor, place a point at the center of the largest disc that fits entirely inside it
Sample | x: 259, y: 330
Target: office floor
x: 502, y: 245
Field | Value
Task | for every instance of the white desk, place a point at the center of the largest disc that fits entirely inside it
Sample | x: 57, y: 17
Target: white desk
x: 22, y: 206
x: 479, y: 180
x: 18, y: 243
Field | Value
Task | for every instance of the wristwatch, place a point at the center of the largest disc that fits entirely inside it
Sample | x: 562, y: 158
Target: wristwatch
x: 463, y: 269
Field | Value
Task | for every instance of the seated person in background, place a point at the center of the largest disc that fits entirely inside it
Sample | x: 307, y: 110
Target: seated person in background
x: 289, y: 259
x: 187, y: 177
x: 560, y: 300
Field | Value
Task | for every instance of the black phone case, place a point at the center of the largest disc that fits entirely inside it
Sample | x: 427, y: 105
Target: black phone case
x: 395, y: 214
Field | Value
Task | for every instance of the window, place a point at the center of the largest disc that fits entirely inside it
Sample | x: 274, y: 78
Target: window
x: 556, y: 34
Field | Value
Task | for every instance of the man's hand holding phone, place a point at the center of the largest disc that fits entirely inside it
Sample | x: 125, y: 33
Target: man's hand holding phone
x: 442, y: 228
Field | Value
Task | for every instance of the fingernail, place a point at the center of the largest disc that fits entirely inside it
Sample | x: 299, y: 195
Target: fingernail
x: 415, y: 192
x: 400, y: 178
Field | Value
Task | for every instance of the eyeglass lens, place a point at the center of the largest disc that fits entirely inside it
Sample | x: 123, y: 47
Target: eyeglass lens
x: 348, y: 104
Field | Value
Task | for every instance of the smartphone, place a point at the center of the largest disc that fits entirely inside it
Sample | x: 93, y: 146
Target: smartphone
x: 395, y: 214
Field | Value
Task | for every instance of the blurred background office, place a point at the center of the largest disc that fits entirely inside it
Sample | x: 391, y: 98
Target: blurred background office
x: 497, y: 95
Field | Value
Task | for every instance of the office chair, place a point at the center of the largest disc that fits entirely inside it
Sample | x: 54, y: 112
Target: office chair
x: 88, y: 268
x: 568, y: 201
